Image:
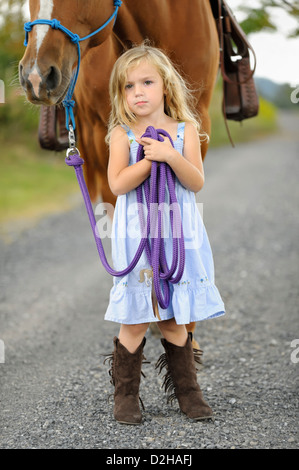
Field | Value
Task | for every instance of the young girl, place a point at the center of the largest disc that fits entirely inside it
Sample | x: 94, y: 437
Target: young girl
x: 146, y: 90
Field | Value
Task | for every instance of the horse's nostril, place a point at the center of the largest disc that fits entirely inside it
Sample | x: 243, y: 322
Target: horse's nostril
x: 21, y: 77
x: 53, y: 78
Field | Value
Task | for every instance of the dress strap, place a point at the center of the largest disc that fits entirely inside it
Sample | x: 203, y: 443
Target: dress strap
x: 129, y: 132
x: 181, y: 130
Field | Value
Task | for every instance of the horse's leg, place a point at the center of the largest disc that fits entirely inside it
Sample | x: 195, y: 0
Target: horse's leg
x: 206, y: 127
x: 102, y: 152
x: 191, y: 328
x: 94, y: 152
x: 203, y: 109
x: 92, y: 97
x: 205, y: 100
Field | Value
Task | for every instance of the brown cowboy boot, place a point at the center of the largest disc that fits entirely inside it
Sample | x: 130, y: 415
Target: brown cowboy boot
x: 125, y: 373
x: 181, y: 377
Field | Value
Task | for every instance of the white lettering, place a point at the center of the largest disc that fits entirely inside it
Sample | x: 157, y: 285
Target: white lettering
x: 295, y: 353
x: 154, y: 459
x: 2, y: 353
x: 104, y: 225
x: 2, y: 92
x: 295, y: 96
x: 171, y: 459
x: 132, y: 222
x: 118, y: 460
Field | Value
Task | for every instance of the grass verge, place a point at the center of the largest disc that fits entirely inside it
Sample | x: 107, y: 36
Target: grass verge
x: 35, y: 182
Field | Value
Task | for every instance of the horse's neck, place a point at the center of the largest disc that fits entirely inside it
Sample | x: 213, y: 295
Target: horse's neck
x: 164, y: 23
x: 134, y: 24
x: 92, y: 85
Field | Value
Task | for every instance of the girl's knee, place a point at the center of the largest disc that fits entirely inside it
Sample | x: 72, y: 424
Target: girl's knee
x: 136, y: 329
x: 141, y: 328
x: 168, y: 325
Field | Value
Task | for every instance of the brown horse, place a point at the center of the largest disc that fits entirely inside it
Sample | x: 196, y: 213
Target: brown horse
x: 184, y: 29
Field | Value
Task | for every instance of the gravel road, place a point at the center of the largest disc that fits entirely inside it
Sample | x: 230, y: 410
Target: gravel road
x: 54, y: 291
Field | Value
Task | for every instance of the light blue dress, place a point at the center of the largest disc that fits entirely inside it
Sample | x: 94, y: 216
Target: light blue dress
x: 195, y: 297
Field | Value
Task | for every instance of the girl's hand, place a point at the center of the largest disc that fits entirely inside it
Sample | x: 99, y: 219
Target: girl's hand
x: 156, y: 150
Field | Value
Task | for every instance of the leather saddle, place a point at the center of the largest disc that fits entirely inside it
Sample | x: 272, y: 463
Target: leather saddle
x: 240, y: 99
x: 52, y: 133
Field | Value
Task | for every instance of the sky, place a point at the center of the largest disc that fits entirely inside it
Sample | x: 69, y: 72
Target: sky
x: 277, y: 55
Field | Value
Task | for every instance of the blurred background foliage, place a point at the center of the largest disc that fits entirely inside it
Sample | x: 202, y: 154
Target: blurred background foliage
x: 259, y: 19
x: 34, y: 181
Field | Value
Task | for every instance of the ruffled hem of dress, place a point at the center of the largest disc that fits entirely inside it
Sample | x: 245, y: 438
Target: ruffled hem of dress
x: 187, y: 305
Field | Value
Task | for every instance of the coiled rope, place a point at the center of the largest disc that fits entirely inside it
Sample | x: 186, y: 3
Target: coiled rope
x: 161, y: 177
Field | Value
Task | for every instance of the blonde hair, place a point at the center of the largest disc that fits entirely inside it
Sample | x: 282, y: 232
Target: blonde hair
x: 179, y: 101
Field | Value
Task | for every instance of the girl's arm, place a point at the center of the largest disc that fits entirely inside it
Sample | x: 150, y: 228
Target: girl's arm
x: 188, y: 169
x: 122, y: 178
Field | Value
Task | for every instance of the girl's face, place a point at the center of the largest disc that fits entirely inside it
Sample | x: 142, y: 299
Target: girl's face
x: 144, y: 90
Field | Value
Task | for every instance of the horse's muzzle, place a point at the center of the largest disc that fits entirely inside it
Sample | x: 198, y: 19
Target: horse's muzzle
x: 41, y: 87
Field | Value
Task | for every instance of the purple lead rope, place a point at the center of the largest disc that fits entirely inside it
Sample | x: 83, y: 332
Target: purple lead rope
x: 154, y: 190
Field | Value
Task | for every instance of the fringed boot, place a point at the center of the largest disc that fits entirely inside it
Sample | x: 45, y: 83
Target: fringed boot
x: 125, y: 375
x: 180, y: 378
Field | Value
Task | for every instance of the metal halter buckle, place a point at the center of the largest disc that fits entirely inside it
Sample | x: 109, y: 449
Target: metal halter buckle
x: 72, y: 150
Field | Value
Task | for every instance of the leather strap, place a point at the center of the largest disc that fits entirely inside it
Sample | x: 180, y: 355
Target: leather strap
x: 52, y: 133
x: 228, y: 30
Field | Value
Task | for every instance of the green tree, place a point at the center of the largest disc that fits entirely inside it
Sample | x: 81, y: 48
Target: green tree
x: 259, y: 19
x: 11, y: 34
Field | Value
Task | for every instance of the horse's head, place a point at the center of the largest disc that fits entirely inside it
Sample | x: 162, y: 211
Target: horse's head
x: 46, y: 68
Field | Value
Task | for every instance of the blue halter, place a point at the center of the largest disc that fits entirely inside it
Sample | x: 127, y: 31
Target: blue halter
x: 68, y: 102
